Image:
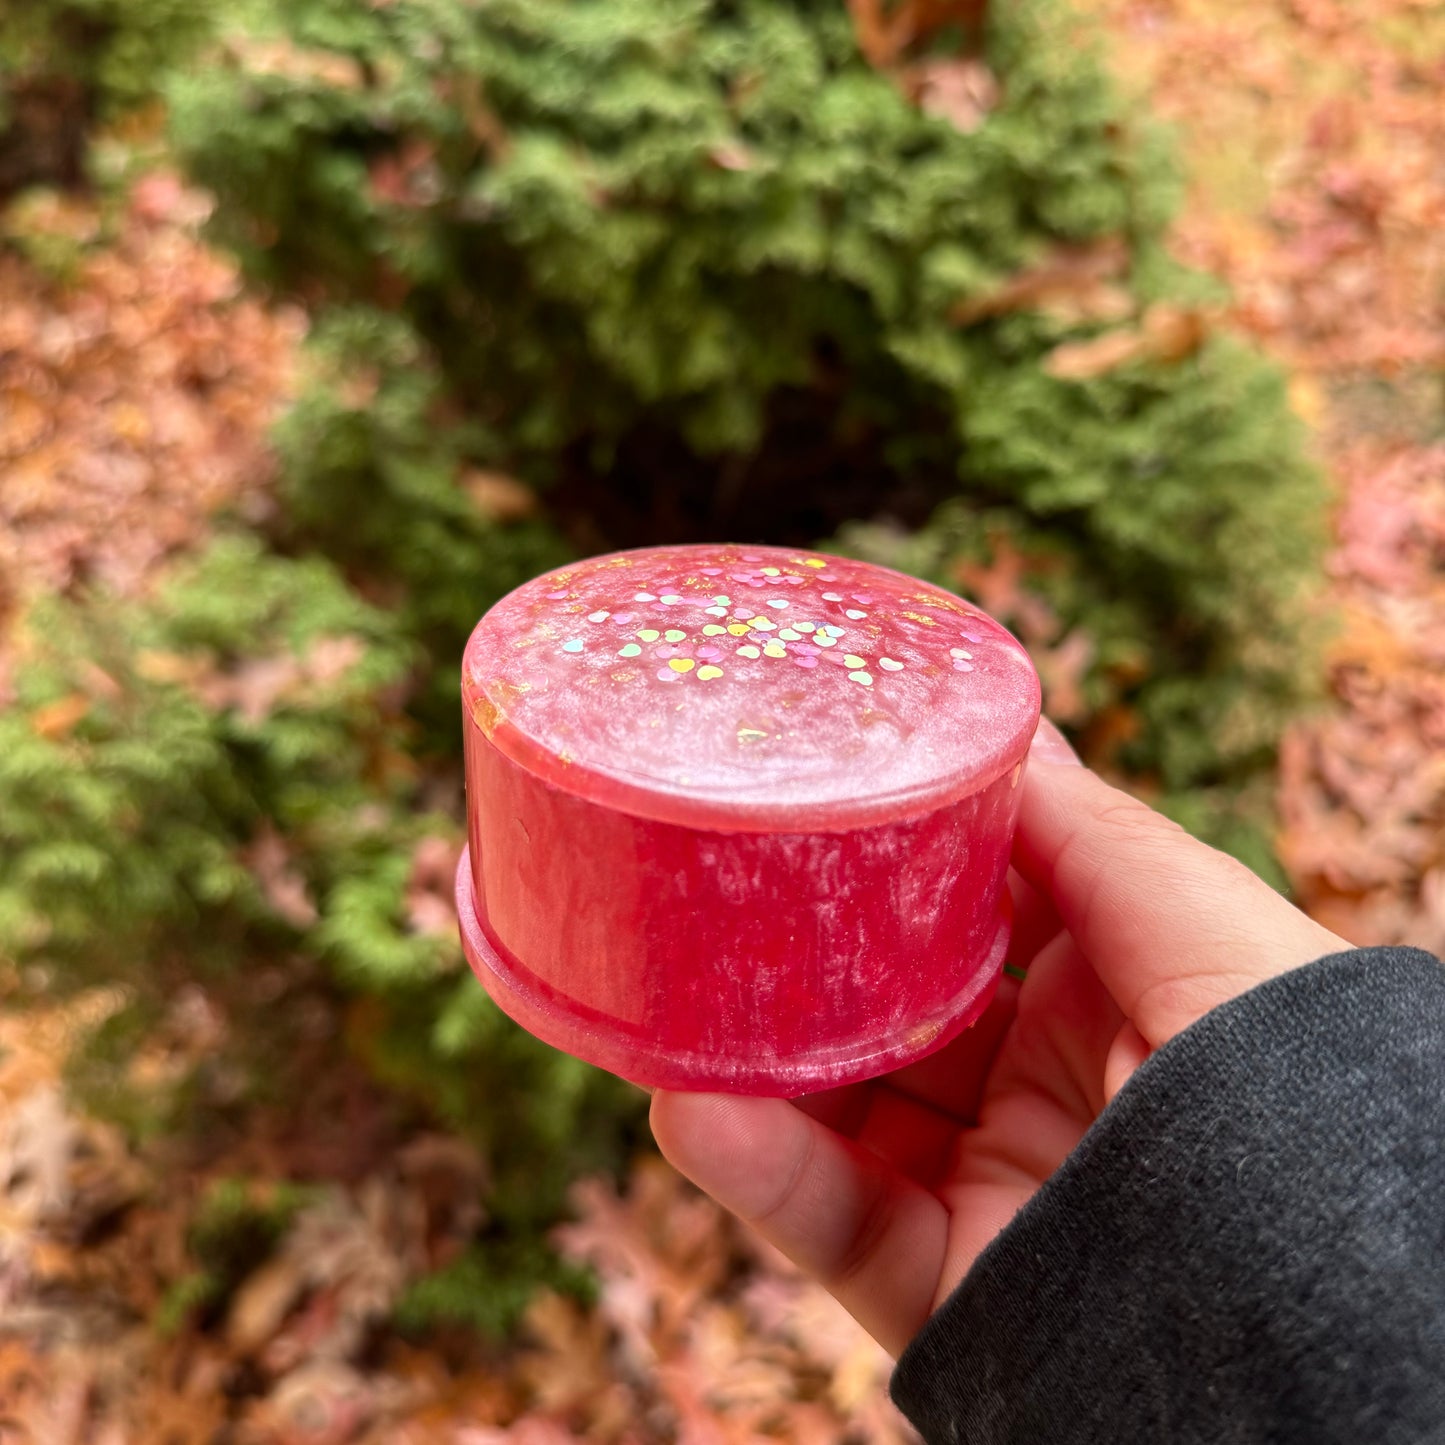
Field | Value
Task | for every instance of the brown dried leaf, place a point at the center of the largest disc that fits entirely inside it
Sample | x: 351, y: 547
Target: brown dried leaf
x: 732, y: 156
x: 1074, y: 283
x: 430, y: 907
x: 1167, y: 333
x: 961, y: 91
x: 134, y: 401
x: 1062, y: 670
x: 886, y: 31
x: 998, y: 587
x: 283, y: 59
x: 269, y: 858
x: 499, y: 498
x: 1084, y: 360
x: 58, y: 719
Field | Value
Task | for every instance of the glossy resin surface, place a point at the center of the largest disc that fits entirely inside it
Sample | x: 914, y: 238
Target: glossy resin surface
x: 739, y: 818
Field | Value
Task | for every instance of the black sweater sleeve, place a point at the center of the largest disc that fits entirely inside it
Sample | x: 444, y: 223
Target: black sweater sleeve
x: 1249, y: 1244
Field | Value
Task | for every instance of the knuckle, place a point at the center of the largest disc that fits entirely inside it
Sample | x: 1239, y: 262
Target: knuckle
x: 874, y: 1222
x: 787, y: 1190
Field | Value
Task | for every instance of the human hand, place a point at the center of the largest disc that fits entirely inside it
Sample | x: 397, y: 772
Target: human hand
x: 1127, y: 930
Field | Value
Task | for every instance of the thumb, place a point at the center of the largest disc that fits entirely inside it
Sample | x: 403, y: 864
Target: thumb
x: 1171, y: 926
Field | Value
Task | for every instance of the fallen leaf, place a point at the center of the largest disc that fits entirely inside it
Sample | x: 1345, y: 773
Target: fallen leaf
x: 962, y: 91
x: 58, y: 719
x: 269, y: 858
x: 1072, y: 283
x: 1167, y: 334
x: 499, y: 498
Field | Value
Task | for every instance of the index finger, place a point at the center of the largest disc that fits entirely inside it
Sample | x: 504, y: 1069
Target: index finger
x: 1171, y: 926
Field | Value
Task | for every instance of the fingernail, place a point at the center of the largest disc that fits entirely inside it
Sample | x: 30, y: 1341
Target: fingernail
x: 1051, y: 746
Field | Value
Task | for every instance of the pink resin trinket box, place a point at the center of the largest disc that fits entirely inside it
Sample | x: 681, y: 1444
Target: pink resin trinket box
x: 739, y: 818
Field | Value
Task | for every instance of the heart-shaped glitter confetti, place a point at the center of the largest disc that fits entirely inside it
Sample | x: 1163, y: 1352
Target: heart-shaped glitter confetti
x: 700, y: 643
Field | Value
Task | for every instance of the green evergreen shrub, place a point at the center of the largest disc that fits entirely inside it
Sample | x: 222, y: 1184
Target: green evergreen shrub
x: 373, y: 422
x: 692, y: 268
x: 205, y: 783
x: 149, y: 744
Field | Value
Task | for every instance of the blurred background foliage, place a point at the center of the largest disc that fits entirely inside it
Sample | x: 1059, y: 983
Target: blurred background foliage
x: 580, y: 275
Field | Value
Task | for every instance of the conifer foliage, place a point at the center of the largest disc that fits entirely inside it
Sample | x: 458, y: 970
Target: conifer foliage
x: 688, y: 269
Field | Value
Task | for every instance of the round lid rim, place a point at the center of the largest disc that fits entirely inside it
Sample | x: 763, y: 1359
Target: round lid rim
x: 699, y: 810
x: 624, y: 792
